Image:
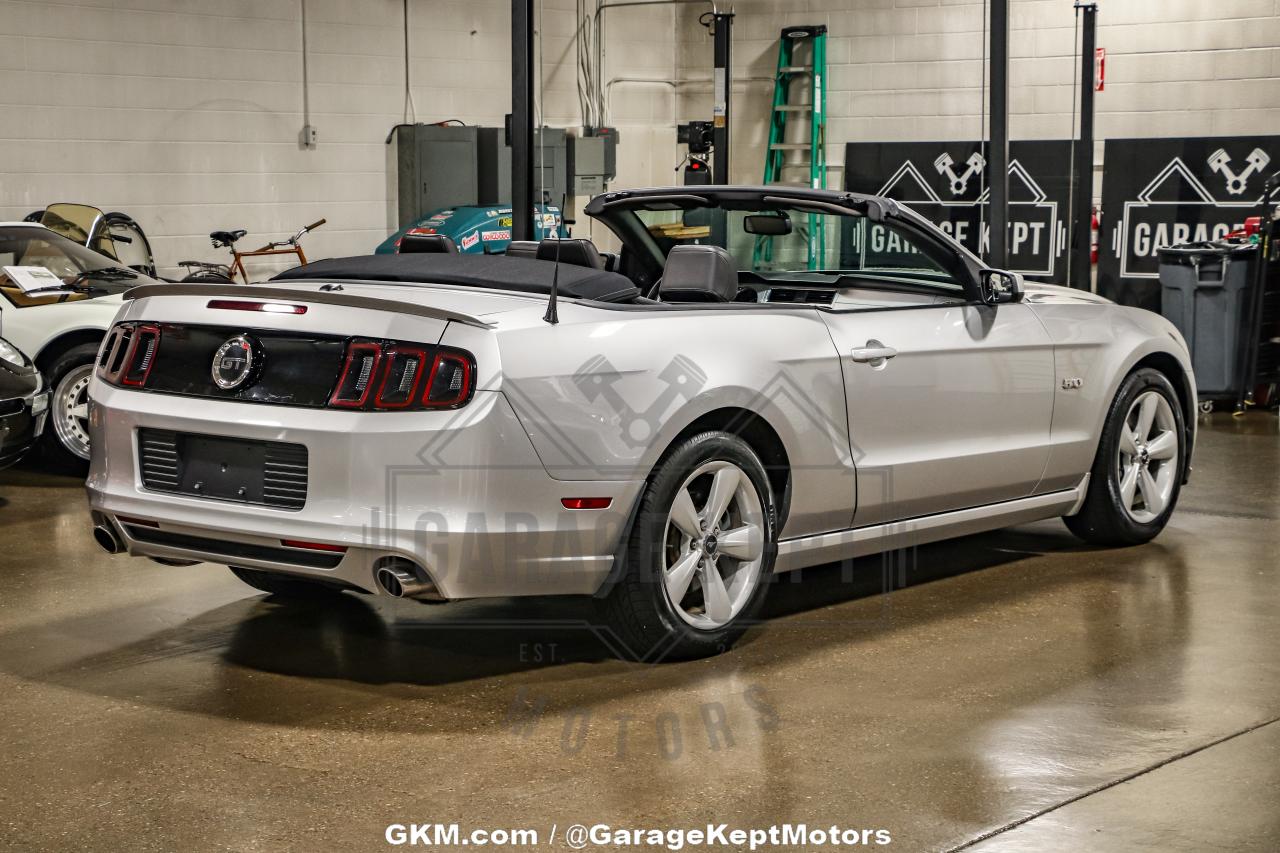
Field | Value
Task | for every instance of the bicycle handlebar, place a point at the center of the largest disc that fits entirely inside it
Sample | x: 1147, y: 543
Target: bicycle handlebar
x: 293, y: 241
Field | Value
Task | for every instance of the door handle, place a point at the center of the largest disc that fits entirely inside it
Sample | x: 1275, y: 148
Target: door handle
x: 874, y: 354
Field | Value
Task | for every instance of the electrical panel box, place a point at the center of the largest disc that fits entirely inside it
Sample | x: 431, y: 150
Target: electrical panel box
x: 551, y: 168
x: 429, y: 167
x: 550, y: 165
x: 593, y: 160
x: 588, y: 164
x: 494, y: 159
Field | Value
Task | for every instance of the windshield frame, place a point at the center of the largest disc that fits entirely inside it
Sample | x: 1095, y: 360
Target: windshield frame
x: 617, y: 211
x: 81, y: 257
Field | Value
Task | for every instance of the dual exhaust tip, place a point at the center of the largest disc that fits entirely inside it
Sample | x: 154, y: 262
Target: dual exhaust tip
x: 405, y: 579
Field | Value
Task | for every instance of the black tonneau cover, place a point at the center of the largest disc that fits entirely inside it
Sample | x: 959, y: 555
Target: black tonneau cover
x: 524, y: 275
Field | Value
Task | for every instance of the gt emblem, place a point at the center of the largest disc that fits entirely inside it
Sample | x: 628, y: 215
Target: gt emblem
x: 233, y: 362
x: 1072, y: 384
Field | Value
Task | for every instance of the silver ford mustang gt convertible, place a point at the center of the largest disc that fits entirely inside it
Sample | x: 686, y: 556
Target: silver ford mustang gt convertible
x: 761, y: 379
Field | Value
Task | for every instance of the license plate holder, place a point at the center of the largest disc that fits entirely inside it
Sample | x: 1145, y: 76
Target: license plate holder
x: 229, y: 469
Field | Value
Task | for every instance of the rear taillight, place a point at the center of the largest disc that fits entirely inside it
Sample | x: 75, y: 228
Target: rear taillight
x: 395, y: 376
x: 450, y: 382
x: 359, y: 369
x: 142, y: 356
x: 129, y: 353
x: 402, y: 376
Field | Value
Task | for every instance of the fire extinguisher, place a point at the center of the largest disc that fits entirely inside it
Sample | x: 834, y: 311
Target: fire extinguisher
x: 1094, y: 226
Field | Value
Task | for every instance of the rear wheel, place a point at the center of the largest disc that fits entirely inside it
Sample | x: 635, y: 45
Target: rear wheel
x: 65, y: 442
x: 700, y: 554
x: 1137, y: 473
x: 284, y: 586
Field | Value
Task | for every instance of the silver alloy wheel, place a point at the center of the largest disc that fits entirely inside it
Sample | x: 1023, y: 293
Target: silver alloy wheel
x: 1147, y: 457
x: 713, y: 545
x: 70, y: 413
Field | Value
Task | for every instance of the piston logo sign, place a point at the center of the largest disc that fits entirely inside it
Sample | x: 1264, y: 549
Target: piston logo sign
x: 1164, y: 192
x: 947, y: 183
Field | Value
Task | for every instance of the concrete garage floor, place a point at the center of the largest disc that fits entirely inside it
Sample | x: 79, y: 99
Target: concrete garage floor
x: 1022, y: 691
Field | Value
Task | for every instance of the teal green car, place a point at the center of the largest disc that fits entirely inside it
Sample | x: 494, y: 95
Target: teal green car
x: 476, y: 229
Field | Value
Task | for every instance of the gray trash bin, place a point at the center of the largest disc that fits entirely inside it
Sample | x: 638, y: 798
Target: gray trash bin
x: 1202, y: 291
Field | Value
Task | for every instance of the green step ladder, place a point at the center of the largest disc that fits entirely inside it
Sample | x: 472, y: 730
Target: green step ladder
x: 786, y: 84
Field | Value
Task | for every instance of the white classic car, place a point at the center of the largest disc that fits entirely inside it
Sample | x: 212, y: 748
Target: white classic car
x: 59, y: 327
x: 766, y: 378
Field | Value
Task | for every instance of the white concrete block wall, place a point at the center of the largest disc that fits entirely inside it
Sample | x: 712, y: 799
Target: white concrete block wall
x: 913, y: 70
x: 186, y: 113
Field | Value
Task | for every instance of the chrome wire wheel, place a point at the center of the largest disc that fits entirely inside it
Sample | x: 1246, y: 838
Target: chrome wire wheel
x: 70, y: 413
x: 713, y: 545
x: 1147, y: 457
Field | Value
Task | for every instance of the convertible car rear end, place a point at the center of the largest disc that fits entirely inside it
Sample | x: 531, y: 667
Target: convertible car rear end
x: 335, y: 434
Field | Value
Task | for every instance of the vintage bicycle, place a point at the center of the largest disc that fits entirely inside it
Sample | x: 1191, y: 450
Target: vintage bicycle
x: 213, y: 273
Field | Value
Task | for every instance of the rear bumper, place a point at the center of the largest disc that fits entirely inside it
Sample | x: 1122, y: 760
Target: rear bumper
x: 462, y: 494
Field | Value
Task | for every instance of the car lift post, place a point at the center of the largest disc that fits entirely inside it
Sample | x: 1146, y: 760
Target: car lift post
x: 522, y: 71
x: 722, y: 32
x: 998, y: 155
x: 1082, y: 228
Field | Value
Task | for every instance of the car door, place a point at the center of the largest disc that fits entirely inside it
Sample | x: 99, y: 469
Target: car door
x: 949, y: 400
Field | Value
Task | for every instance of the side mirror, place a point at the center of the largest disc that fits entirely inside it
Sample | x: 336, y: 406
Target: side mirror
x: 998, y: 286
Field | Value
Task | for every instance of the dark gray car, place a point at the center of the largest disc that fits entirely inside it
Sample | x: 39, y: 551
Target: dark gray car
x: 23, y: 404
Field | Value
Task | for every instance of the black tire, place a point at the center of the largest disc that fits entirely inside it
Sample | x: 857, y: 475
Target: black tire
x: 206, y: 278
x: 1103, y: 519
x: 644, y: 623
x: 285, y: 586
x: 60, y: 451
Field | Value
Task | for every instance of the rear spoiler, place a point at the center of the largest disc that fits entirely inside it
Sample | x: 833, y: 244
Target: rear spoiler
x: 326, y: 297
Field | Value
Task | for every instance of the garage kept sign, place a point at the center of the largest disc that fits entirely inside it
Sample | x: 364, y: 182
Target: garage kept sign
x: 947, y: 183
x: 1161, y: 192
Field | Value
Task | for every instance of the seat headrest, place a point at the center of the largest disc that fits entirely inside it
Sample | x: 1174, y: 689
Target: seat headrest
x: 522, y: 249
x: 579, y: 252
x: 699, y: 274
x: 411, y: 244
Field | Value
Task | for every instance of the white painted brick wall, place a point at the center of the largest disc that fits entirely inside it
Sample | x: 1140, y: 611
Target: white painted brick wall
x: 912, y: 70
x: 185, y: 113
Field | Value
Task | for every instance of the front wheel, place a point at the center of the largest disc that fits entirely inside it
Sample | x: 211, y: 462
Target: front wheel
x: 65, y: 442
x: 700, y: 554
x: 1137, y: 473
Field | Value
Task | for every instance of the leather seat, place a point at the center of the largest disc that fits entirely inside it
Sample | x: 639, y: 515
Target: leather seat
x: 226, y: 238
x: 522, y: 249
x: 439, y: 244
x: 699, y: 274
x: 578, y: 252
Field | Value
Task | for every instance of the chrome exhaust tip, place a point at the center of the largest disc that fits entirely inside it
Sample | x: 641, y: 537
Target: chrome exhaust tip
x: 107, y: 539
x: 403, y: 579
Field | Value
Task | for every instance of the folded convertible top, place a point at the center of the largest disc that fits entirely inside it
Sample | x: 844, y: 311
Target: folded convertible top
x: 525, y: 275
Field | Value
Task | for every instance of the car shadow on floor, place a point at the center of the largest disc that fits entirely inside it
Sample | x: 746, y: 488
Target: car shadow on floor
x: 436, y: 656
